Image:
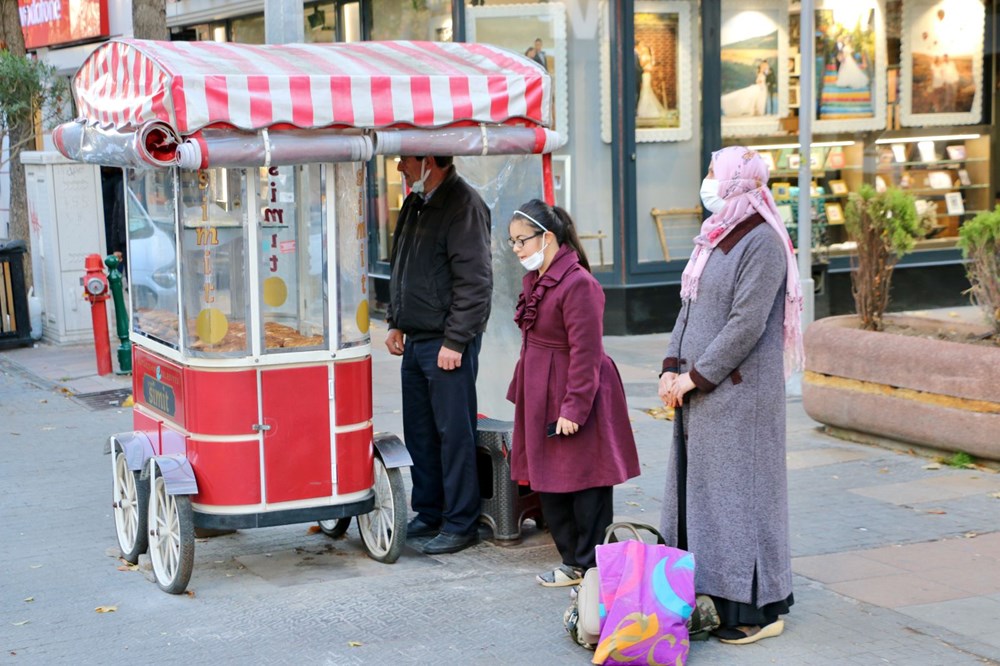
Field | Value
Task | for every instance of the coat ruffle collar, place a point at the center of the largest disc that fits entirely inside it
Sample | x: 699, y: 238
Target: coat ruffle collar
x: 565, y: 262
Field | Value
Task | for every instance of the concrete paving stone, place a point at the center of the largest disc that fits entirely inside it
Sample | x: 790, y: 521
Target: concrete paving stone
x: 840, y: 567
x: 893, y: 591
x: 953, y: 553
x: 976, y: 617
x: 933, y: 489
x: 818, y: 457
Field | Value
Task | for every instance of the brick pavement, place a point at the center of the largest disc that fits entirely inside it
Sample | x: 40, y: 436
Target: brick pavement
x: 894, y: 563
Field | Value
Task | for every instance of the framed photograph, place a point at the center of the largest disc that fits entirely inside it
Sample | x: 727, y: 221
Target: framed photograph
x: 536, y: 31
x: 793, y: 96
x: 794, y: 64
x: 781, y: 191
x: 954, y: 204
x: 768, y: 158
x: 963, y: 178
x: 939, y: 180
x: 899, y: 151
x: 904, y: 180
x: 794, y: 161
x: 926, y: 150
x: 955, y: 152
x: 834, y: 213
x: 942, y: 62
x: 835, y: 159
x: 663, y: 44
x: 561, y: 182
x: 838, y: 187
x: 755, y: 89
x: 850, y: 69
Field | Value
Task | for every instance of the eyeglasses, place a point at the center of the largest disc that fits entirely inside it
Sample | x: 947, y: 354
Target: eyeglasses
x: 518, y: 243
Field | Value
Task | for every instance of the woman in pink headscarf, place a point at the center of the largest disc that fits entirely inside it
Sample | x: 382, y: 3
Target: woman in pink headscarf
x: 737, y: 339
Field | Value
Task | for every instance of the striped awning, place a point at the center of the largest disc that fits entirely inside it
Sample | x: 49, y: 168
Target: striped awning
x: 127, y: 83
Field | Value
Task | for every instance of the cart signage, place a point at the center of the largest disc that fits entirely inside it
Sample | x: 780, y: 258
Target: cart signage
x: 54, y: 22
x: 158, y: 395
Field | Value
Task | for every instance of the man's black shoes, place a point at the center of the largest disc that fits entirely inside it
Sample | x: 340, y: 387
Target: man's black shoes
x: 445, y: 542
x: 418, y: 528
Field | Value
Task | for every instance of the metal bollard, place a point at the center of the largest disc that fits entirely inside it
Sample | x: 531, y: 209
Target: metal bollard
x: 121, y: 315
x: 95, y: 290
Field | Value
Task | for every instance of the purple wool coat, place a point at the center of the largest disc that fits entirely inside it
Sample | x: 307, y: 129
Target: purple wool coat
x: 563, y: 371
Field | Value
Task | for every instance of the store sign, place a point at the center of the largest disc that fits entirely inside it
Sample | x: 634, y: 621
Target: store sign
x: 54, y: 22
x: 158, y: 395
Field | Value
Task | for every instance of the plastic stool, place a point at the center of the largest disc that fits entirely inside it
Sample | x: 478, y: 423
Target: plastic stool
x: 505, y: 503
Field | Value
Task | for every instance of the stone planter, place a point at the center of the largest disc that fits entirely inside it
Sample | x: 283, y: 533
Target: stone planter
x: 915, y: 390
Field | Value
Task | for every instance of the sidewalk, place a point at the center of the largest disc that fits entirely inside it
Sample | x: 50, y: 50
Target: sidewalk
x: 894, y: 562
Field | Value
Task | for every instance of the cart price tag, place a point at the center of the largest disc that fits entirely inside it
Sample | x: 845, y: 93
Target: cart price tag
x: 286, y: 247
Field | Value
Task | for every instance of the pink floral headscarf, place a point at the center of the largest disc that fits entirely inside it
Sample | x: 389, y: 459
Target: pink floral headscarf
x: 742, y: 176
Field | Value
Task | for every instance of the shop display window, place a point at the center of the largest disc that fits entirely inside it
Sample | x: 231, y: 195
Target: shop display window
x: 152, y: 254
x: 293, y: 254
x: 908, y: 78
x: 348, y: 198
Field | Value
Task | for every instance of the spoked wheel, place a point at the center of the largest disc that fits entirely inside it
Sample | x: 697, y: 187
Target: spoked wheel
x: 383, y: 530
x: 131, y: 504
x: 335, y: 528
x: 171, y: 537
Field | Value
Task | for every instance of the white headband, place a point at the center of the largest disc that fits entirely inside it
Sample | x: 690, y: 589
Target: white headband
x: 528, y: 217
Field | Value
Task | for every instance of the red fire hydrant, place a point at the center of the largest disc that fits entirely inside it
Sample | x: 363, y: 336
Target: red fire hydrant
x: 95, y: 290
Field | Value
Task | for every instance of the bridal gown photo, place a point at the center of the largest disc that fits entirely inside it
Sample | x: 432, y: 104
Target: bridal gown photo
x: 749, y: 101
x: 649, y: 105
x: 850, y: 74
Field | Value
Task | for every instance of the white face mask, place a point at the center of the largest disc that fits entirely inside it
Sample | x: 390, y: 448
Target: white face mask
x: 418, y: 186
x: 710, y: 195
x: 534, y: 261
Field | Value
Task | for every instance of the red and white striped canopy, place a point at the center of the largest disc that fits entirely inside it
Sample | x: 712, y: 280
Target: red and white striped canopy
x: 190, y: 85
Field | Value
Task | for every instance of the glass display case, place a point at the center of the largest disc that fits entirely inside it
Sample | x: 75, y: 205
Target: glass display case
x: 241, y: 258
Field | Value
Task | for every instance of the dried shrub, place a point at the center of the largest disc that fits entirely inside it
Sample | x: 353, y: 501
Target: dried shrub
x: 885, y: 226
x: 979, y: 239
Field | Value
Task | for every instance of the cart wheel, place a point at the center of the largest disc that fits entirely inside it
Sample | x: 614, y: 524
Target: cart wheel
x: 171, y: 537
x: 131, y: 504
x: 335, y: 528
x: 383, y: 530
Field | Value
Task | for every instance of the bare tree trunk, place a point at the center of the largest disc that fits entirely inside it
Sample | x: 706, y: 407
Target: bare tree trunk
x: 149, y: 19
x: 13, y: 39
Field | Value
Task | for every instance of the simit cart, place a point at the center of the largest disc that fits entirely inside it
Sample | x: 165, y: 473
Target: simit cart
x: 246, y: 173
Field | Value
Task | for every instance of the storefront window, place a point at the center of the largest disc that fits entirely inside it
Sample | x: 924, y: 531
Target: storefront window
x: 293, y: 254
x: 399, y: 19
x: 320, y: 22
x: 428, y: 20
x: 897, y: 83
x: 248, y: 29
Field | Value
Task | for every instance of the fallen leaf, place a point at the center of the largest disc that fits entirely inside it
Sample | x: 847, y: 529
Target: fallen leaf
x: 932, y: 466
x: 995, y: 495
x: 21, y: 623
x: 936, y: 512
x: 313, y: 529
x: 190, y: 593
x: 128, y: 567
x: 661, y: 413
x: 128, y: 402
x: 353, y: 644
x: 971, y: 535
x: 884, y: 470
x: 633, y: 503
x: 43, y: 401
x: 29, y: 599
x: 37, y: 566
x: 106, y: 609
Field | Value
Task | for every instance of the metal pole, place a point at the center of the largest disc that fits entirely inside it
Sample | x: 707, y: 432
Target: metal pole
x: 121, y: 315
x: 283, y: 22
x: 807, y: 106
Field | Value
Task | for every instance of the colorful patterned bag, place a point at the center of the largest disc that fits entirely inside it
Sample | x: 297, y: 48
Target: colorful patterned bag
x: 647, y: 596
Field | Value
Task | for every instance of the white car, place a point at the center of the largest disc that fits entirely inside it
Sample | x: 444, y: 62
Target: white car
x: 152, y: 259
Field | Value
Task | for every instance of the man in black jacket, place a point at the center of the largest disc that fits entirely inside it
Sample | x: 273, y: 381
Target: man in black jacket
x: 439, y: 299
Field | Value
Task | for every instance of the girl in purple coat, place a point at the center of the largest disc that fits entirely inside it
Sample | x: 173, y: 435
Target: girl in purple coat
x: 572, y: 437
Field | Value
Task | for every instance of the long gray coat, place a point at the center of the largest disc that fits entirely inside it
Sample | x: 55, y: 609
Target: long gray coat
x: 737, y: 497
